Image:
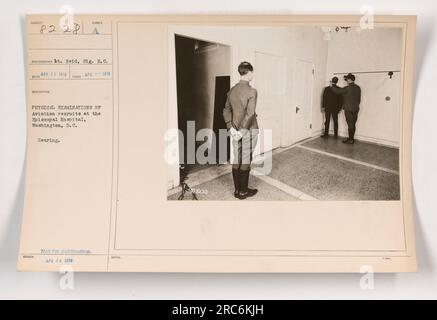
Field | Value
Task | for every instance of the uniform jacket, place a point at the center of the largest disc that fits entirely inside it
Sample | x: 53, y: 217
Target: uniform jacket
x: 331, y: 101
x: 351, y: 96
x: 239, y: 111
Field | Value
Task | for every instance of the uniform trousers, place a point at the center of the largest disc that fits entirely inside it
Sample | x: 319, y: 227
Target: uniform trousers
x: 243, y: 149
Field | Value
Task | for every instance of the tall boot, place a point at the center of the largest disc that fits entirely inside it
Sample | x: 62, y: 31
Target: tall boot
x: 244, y: 190
x: 348, y: 139
x: 236, y: 177
x: 351, y: 136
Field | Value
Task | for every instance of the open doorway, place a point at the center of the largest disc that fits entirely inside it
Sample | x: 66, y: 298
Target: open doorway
x: 202, y: 80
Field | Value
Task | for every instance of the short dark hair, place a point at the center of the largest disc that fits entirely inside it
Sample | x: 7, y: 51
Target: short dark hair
x: 352, y: 77
x: 244, y: 68
x: 334, y: 80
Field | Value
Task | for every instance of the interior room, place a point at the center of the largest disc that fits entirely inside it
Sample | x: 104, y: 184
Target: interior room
x: 203, y: 78
x: 291, y: 70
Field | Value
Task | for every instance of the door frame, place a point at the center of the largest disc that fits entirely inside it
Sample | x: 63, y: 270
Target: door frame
x: 173, y: 174
x: 310, y: 114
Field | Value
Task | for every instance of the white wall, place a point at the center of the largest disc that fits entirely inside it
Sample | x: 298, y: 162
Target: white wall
x: 309, y: 45
x: 369, y: 51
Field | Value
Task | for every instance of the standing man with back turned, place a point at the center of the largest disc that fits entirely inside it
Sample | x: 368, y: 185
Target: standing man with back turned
x: 240, y: 117
x: 331, y: 103
x: 351, y: 105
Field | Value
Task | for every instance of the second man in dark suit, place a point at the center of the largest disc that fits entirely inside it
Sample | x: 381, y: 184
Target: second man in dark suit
x: 351, y: 105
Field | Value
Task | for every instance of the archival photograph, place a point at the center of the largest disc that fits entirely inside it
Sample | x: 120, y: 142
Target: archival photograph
x: 288, y: 139
x: 284, y: 113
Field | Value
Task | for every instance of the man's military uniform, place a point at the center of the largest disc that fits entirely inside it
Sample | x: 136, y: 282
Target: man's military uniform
x: 351, y: 105
x: 239, y: 113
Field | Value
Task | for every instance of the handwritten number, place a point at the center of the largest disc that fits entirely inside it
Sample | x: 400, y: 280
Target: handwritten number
x: 76, y: 28
x: 65, y: 28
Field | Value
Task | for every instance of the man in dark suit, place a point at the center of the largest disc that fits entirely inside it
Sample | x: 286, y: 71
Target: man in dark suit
x: 351, y: 105
x: 331, y: 103
x: 240, y: 117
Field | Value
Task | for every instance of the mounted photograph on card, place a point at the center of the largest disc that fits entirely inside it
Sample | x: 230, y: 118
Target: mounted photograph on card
x: 219, y: 144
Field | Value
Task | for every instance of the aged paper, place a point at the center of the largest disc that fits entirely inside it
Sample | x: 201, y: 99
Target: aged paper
x: 105, y: 96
